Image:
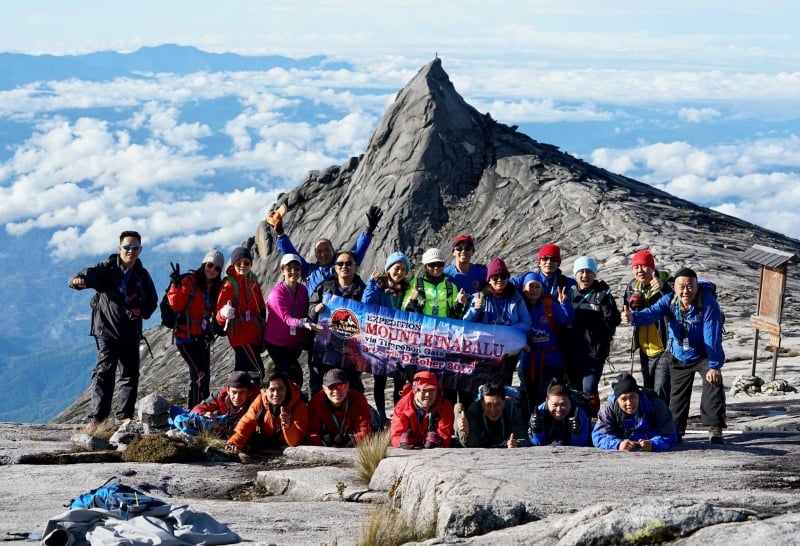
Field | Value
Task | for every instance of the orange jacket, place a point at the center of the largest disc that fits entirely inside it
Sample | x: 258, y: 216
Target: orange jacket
x: 251, y: 309
x: 353, y: 419
x: 178, y: 296
x: 259, y: 416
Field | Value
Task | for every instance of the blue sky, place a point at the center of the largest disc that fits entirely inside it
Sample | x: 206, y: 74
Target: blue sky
x: 701, y: 99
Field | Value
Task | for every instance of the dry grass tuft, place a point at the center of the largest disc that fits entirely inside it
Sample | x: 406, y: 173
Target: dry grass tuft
x: 370, y: 452
x: 104, y: 430
x: 387, y: 526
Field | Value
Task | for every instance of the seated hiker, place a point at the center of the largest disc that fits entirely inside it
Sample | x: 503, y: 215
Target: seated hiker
x: 634, y: 420
x: 558, y: 421
x: 422, y: 417
x: 219, y: 413
x: 492, y: 421
x: 233, y: 399
x: 338, y: 416
x: 278, y: 416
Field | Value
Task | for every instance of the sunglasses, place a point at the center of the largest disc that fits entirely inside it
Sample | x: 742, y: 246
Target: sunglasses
x: 337, y: 387
x: 345, y: 264
x: 214, y: 267
x: 131, y: 248
x: 497, y: 278
x: 463, y: 248
x: 548, y: 259
x: 435, y: 265
x: 243, y: 263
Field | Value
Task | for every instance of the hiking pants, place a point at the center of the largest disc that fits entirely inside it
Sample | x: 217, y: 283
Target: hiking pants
x: 712, y: 399
x: 109, y: 353
x: 197, y: 355
x: 248, y: 359
x: 655, y: 373
x: 287, y: 360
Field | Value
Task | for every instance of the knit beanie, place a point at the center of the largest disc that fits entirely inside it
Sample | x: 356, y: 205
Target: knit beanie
x: 625, y: 383
x: 240, y: 253
x: 550, y: 249
x: 396, y: 257
x: 643, y: 257
x: 214, y: 257
x: 585, y: 262
x: 496, y: 267
x: 685, y: 272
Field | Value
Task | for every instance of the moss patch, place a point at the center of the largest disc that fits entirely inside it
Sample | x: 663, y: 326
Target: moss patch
x: 157, y: 448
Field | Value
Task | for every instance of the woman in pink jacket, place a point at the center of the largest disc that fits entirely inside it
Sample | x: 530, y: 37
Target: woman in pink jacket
x: 288, y: 329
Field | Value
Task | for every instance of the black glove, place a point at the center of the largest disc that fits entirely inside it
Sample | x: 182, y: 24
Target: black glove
x: 175, y: 276
x: 536, y: 424
x: 327, y: 440
x: 575, y: 424
x: 374, y: 215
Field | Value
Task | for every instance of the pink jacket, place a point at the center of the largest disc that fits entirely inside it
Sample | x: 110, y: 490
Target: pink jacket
x: 284, y: 311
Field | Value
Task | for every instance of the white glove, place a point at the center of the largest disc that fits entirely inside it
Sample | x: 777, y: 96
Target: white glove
x: 228, y: 312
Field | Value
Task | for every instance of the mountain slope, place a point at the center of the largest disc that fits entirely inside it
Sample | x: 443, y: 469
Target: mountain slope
x: 439, y: 167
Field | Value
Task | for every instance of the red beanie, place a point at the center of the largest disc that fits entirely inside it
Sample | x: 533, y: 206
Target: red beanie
x: 550, y: 250
x: 643, y: 257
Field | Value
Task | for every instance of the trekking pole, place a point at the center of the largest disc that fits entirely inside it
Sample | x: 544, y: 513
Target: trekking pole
x: 633, y: 346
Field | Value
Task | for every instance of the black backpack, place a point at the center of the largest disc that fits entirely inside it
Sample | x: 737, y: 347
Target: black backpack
x: 169, y: 318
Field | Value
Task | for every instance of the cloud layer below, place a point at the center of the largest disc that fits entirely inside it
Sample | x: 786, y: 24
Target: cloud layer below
x: 159, y: 154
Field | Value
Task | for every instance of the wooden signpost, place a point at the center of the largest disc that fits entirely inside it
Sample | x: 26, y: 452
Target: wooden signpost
x: 774, y: 265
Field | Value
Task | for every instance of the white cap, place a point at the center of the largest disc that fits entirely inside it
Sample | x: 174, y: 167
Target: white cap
x: 289, y: 258
x: 215, y: 257
x: 433, y: 255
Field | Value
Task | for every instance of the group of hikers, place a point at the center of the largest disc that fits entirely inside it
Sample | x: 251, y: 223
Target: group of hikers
x: 568, y: 323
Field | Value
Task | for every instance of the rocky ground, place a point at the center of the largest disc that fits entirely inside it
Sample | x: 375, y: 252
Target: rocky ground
x: 742, y: 491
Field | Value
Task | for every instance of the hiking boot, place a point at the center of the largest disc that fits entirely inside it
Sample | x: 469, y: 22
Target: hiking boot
x: 715, y: 435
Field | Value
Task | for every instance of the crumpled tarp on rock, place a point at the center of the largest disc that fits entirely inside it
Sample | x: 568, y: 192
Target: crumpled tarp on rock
x: 179, y: 526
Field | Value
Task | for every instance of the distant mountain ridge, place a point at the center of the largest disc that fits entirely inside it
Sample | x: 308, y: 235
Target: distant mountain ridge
x: 19, y: 69
x: 439, y: 167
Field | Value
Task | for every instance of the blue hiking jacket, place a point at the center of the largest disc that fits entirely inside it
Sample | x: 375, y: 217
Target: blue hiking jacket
x: 701, y: 325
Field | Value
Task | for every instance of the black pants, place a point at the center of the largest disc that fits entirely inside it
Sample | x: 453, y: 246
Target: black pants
x: 287, y: 360
x: 248, y: 359
x: 197, y: 355
x: 109, y: 354
x: 712, y: 399
x: 380, y: 391
x: 655, y: 373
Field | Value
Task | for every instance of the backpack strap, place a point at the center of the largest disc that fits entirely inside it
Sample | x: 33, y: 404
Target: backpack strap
x: 547, y: 304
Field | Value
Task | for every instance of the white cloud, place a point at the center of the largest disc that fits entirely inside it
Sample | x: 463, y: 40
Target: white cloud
x: 757, y: 181
x: 697, y: 115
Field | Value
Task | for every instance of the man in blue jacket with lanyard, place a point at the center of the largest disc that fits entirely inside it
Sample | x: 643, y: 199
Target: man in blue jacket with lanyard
x: 695, y: 346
